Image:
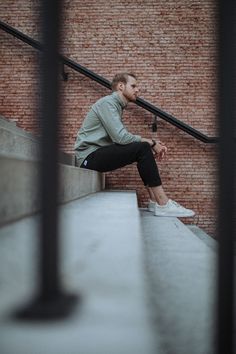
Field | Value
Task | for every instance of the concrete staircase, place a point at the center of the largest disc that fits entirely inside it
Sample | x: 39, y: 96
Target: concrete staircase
x: 20, y: 169
x: 147, y: 284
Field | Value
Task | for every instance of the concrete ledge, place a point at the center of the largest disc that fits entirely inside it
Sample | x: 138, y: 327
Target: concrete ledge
x: 19, y: 191
x: 17, y: 142
x: 78, y: 182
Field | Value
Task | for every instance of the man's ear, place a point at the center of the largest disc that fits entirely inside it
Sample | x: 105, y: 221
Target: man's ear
x: 120, y: 86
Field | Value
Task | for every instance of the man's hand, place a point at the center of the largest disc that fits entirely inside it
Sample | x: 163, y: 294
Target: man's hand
x: 160, y: 150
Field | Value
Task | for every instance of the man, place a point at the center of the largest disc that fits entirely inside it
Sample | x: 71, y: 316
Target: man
x: 104, y: 144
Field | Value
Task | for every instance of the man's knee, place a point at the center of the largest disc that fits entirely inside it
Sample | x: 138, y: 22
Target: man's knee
x: 144, y: 150
x: 145, y: 146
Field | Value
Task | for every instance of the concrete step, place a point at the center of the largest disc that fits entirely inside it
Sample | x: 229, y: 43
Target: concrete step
x: 102, y: 260
x: 181, y: 268
x: 20, y: 169
x: 202, y: 235
x: 17, y: 142
x: 19, y: 180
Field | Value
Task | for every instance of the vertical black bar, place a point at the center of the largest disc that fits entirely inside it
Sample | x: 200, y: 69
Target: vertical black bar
x: 51, y: 302
x: 226, y: 176
x: 50, y: 286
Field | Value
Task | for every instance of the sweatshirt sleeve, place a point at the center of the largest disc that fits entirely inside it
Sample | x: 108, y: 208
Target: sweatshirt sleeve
x: 111, y: 121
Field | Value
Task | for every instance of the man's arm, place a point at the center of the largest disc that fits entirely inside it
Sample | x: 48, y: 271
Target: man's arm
x: 111, y: 121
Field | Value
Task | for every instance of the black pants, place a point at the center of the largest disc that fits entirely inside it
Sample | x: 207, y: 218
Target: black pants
x: 115, y: 156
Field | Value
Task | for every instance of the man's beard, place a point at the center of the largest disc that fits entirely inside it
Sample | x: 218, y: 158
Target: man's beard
x: 130, y: 97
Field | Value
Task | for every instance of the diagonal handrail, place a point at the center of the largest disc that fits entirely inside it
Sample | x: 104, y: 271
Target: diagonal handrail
x: 106, y: 83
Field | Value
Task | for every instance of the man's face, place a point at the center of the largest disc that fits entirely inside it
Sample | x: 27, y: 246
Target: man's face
x: 130, y: 90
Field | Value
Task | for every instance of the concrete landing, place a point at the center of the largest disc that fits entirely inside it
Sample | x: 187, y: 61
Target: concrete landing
x: 102, y: 261
x: 181, y: 270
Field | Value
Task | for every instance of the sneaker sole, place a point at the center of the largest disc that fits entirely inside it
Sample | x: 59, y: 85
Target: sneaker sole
x: 151, y: 209
x: 175, y: 215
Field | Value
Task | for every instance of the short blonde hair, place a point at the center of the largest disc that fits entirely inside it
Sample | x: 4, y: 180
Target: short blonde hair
x: 122, y: 77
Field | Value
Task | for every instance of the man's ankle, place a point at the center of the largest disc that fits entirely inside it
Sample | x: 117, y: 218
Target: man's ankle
x: 162, y: 201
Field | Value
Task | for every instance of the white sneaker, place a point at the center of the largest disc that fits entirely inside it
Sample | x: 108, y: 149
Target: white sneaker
x: 171, y: 208
x: 151, y: 205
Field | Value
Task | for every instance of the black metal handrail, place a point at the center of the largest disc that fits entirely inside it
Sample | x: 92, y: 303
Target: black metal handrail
x: 106, y: 83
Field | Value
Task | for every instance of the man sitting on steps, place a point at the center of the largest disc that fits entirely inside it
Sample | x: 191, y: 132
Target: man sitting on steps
x: 104, y: 144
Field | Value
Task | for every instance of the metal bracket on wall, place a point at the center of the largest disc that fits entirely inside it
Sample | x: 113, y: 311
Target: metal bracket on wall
x: 63, y: 73
x: 154, y: 124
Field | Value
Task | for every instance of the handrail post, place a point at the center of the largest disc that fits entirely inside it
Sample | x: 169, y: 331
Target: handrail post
x: 52, y: 302
x: 227, y: 70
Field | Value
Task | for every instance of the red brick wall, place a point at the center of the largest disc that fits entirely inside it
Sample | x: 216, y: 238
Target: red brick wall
x: 169, y: 44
